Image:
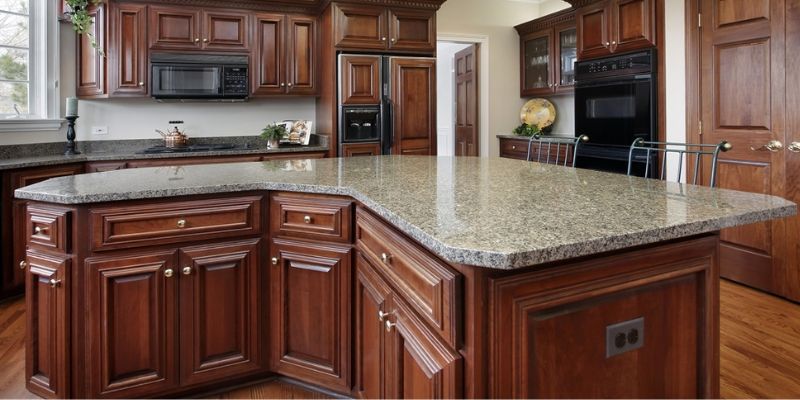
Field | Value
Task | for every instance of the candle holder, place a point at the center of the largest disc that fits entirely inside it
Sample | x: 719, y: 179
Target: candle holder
x: 70, y: 151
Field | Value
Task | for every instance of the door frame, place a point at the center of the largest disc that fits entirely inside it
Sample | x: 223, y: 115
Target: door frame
x: 483, y: 82
x: 693, y: 83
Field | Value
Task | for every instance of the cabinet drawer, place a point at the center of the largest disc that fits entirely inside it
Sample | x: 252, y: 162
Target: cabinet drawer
x: 311, y: 217
x: 47, y: 229
x: 150, y: 225
x: 512, y: 148
x: 427, y: 284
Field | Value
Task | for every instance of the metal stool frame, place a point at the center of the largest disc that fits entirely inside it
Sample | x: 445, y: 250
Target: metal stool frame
x: 682, y: 149
x: 558, y: 141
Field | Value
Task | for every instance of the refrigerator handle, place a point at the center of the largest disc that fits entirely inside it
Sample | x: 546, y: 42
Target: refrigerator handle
x: 387, y: 123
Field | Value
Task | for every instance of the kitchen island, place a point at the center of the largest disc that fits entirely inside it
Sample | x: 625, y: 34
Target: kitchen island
x: 377, y: 277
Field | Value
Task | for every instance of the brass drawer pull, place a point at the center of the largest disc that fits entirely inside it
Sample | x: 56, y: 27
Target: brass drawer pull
x: 181, y: 223
x: 54, y: 283
x: 307, y: 219
x: 168, y: 272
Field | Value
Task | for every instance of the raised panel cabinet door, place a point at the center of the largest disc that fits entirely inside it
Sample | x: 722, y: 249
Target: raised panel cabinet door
x: 226, y: 30
x: 91, y: 62
x: 594, y: 30
x: 361, y: 80
x: 220, y: 311
x: 133, y: 299
x: 361, y: 150
x: 14, y: 275
x: 360, y: 27
x: 310, y: 312
x: 420, y: 365
x: 414, y: 100
x: 47, y: 313
x: 634, y: 25
x: 174, y: 28
x: 128, y: 50
x: 269, y: 60
x: 371, y: 312
x: 412, y: 30
x: 301, y: 78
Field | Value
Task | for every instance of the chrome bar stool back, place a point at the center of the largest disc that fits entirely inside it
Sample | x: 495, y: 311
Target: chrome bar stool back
x: 643, y: 151
x: 549, y: 149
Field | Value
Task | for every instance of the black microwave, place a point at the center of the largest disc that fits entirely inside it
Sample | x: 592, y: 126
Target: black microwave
x: 199, y: 76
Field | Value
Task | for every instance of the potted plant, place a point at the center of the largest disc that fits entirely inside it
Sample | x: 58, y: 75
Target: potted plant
x: 273, y: 133
x: 78, y: 15
x: 527, y: 130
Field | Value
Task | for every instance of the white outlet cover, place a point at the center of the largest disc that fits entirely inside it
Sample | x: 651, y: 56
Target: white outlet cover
x: 99, y: 130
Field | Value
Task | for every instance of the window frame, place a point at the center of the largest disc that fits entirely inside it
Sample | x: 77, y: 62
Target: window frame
x: 43, y: 72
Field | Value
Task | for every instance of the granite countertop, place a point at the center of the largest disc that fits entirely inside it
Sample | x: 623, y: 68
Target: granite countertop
x: 494, y: 212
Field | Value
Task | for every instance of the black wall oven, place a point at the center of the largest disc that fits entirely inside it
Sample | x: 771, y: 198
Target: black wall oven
x: 615, y: 104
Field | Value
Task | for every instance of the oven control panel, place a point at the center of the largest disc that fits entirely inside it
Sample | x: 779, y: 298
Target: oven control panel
x: 626, y: 64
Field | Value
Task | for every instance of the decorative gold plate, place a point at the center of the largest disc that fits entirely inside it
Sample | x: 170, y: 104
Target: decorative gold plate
x: 538, y: 112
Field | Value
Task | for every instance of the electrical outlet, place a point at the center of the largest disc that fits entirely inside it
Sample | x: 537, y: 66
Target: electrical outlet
x: 624, y: 337
x: 99, y: 130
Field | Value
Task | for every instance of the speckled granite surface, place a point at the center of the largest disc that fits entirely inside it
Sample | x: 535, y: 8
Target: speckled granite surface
x: 496, y: 213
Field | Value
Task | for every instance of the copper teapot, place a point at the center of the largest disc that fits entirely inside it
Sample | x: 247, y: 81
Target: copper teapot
x: 174, y: 137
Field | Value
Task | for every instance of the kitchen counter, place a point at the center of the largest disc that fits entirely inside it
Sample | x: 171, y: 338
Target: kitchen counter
x: 494, y: 213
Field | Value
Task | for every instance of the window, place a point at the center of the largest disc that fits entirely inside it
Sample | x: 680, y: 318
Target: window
x: 28, y: 64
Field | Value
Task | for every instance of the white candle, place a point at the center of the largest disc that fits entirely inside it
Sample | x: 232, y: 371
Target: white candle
x: 72, y: 107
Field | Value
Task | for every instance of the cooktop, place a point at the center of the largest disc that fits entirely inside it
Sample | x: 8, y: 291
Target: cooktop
x: 197, y: 148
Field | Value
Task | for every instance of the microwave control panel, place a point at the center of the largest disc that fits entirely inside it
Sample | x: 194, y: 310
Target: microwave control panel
x: 236, y: 81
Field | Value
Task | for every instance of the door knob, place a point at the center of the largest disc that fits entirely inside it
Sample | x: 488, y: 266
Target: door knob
x: 794, y: 147
x: 187, y: 271
x: 773, y: 146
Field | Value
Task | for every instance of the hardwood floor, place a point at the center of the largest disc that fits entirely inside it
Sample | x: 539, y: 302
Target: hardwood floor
x: 760, y: 353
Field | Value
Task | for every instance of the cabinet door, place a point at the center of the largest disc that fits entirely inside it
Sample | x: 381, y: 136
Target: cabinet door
x: 91, y: 62
x: 634, y: 25
x: 105, y: 166
x: 412, y: 30
x: 269, y: 60
x: 361, y: 80
x: 220, y: 311
x: 420, y: 365
x: 537, y: 63
x: 47, y: 313
x: 371, y: 306
x: 310, y: 313
x: 361, y: 150
x: 15, y: 274
x: 133, y: 298
x: 174, y: 28
x: 302, y: 64
x: 226, y: 30
x: 593, y: 30
x: 414, y: 100
x: 565, y: 56
x: 128, y: 50
x: 360, y: 27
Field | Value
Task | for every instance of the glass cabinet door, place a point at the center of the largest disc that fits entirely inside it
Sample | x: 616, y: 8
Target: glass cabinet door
x: 568, y: 55
x: 536, y: 68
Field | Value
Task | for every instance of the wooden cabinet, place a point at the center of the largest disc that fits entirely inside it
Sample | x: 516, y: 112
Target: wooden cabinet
x: 310, y: 312
x: 548, y: 48
x: 91, y: 68
x: 127, y: 74
x: 514, y: 148
x: 615, y: 26
x: 225, y: 30
x: 360, y: 80
x: 517, y: 149
x: 361, y: 150
x: 283, y: 59
x: 360, y: 27
x: 174, y: 28
x: 414, y: 99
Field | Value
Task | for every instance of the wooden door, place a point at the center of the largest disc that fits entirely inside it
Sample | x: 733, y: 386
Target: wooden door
x: 412, y: 30
x: 220, y: 311
x: 359, y: 27
x: 47, y: 372
x: 226, y: 30
x: 634, y: 25
x: 301, y: 78
x: 371, y: 309
x: 536, y: 73
x: 466, y: 66
x: 128, y: 50
x: 268, y: 64
x: 791, y: 276
x: 594, y: 30
x: 361, y: 80
x: 361, y: 150
x: 420, y: 365
x: 134, y: 303
x: 743, y: 101
x: 174, y: 28
x: 310, y: 312
x: 91, y: 62
x: 414, y: 100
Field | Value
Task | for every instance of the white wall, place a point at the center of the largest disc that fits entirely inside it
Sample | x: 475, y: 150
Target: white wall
x: 496, y: 20
x: 675, y: 57
x: 445, y: 96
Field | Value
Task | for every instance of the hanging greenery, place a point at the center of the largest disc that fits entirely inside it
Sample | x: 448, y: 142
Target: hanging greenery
x: 82, y: 21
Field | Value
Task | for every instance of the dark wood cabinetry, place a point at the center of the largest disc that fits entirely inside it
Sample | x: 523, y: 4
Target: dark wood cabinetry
x: 301, y: 71
x: 548, y: 54
x: 91, y: 68
x: 517, y: 148
x: 187, y: 28
x: 359, y: 27
x: 414, y: 100
x: 615, y: 26
x: 361, y: 80
x: 225, y: 30
x: 284, y: 58
x: 128, y: 67
x: 361, y: 150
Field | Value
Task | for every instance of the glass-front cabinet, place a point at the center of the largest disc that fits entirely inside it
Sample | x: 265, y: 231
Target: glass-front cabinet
x: 536, y: 69
x: 567, y: 53
x: 548, y: 52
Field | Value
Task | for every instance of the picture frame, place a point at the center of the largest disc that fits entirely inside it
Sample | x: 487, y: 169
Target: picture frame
x: 298, y: 132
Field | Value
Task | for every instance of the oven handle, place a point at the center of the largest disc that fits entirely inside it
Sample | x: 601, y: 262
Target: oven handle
x: 612, y: 81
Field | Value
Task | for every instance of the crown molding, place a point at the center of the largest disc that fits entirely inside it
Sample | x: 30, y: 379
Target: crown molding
x: 548, y: 21
x: 295, y: 6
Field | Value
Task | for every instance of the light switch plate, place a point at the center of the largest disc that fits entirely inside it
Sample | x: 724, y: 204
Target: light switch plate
x: 99, y: 130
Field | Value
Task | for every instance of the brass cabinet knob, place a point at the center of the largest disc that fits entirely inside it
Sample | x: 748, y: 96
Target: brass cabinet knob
x: 383, y: 39
x: 290, y: 84
x: 197, y: 40
x: 187, y: 270
x: 54, y: 283
x: 513, y: 147
x: 382, y: 315
x: 385, y: 257
x: 205, y: 40
x: 168, y: 272
x: 613, y: 42
x: 390, y: 325
x: 307, y: 219
x: 794, y: 147
x: 141, y: 84
x: 283, y: 84
x: 181, y: 223
x: 274, y: 260
x: 39, y: 230
x: 23, y: 264
x: 773, y: 146
x: 394, y: 40
x: 607, y: 44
